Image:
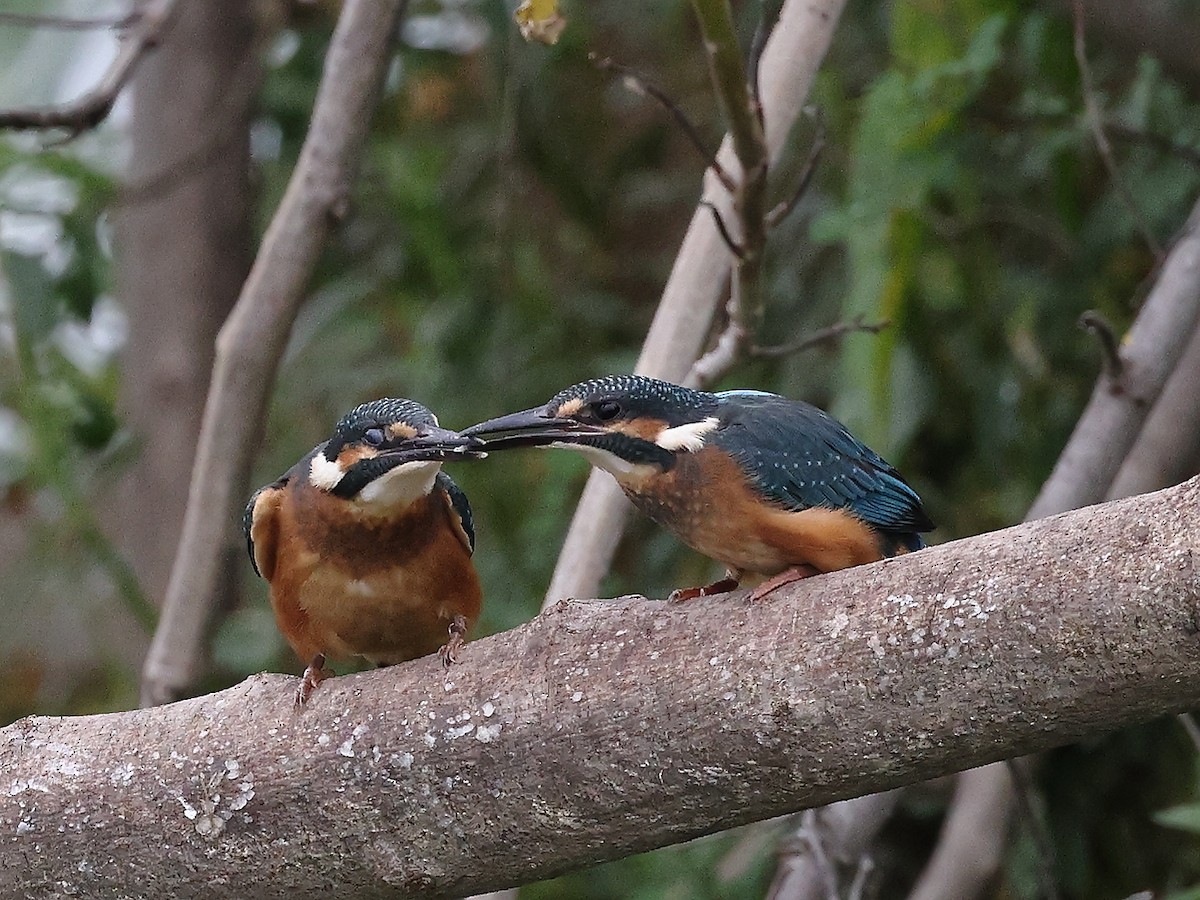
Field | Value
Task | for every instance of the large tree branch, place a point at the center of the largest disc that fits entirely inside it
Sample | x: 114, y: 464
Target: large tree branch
x: 563, y: 741
x: 252, y: 340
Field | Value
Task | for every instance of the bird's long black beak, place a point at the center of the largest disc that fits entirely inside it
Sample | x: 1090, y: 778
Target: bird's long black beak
x: 431, y: 444
x: 529, y: 428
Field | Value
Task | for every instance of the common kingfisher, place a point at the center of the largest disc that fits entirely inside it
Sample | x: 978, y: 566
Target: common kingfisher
x: 367, y: 544
x: 753, y: 480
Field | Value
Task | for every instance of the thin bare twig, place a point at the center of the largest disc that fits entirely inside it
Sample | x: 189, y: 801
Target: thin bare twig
x: 64, y: 23
x: 1095, y: 118
x: 784, y: 209
x: 829, y: 334
x: 92, y: 108
x: 844, y: 832
x: 762, y: 34
x: 1110, y: 349
x: 732, y: 245
x: 639, y: 84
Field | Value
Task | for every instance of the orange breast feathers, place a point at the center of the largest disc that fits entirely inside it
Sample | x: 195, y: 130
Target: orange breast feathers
x: 346, y: 584
x: 708, y: 501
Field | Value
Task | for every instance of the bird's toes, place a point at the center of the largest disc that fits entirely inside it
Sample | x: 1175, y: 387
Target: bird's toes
x: 313, y: 675
x: 448, y: 653
x: 721, y: 586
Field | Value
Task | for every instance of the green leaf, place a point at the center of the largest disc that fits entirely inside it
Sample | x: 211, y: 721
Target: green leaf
x: 31, y: 295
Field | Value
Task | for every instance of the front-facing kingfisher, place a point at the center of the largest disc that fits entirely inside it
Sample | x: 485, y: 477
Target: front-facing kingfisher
x: 753, y: 480
x: 367, y: 544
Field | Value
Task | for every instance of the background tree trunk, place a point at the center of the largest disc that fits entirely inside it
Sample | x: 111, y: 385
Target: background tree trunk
x: 185, y: 242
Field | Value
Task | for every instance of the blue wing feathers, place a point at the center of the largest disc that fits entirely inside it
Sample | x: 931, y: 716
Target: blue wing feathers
x: 458, y: 500
x: 800, y: 457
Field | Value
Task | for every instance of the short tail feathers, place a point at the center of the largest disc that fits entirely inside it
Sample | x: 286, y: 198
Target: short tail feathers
x: 894, y: 543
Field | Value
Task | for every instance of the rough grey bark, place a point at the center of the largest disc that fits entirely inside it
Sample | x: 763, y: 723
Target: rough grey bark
x: 604, y: 728
x: 185, y: 248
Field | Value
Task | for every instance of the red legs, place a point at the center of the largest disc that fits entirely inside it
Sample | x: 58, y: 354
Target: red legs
x: 722, y: 586
x: 313, y: 675
x: 787, y: 576
x: 458, y: 636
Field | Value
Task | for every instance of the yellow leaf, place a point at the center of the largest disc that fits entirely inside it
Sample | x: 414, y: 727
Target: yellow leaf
x: 539, y: 21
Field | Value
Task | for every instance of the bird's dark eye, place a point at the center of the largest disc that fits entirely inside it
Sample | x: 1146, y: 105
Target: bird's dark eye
x: 606, y: 410
x: 373, y: 436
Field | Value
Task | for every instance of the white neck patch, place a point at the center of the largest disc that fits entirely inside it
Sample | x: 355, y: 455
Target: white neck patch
x: 689, y: 436
x: 324, y: 473
x: 400, y: 486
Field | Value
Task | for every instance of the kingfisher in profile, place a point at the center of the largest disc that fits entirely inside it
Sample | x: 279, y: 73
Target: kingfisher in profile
x: 756, y: 481
x: 367, y: 544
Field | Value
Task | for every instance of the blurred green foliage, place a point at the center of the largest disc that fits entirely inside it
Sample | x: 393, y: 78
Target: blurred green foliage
x: 516, y: 218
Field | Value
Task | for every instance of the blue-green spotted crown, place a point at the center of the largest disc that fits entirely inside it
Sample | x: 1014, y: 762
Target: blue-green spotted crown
x: 640, y: 396
x: 385, y: 411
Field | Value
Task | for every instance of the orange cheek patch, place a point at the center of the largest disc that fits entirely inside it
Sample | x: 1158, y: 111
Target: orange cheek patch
x: 646, y: 429
x: 401, y: 431
x: 350, y: 455
x: 569, y: 408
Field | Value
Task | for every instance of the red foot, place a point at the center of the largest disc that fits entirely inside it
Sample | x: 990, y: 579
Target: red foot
x: 313, y: 675
x: 723, y: 586
x: 787, y: 576
x: 458, y: 636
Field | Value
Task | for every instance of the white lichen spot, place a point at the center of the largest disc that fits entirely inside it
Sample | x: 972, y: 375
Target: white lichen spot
x: 840, y: 621
x: 715, y: 661
x: 430, y: 739
x: 487, y: 733
x: 245, y: 795
x: 488, y: 709
x: 189, y: 811
x: 455, y: 733
x: 577, y: 696
x: 904, y: 601
x: 210, y: 826
x: 323, y: 739
x: 233, y: 769
x: 122, y: 774
x: 24, y: 827
x: 404, y: 760
x: 346, y: 748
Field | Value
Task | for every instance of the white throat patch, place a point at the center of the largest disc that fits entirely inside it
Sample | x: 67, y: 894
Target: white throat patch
x: 400, y: 486
x: 621, y: 469
x: 324, y: 473
x: 689, y: 436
